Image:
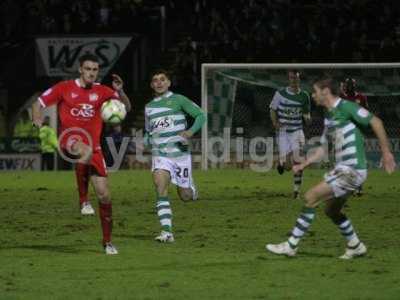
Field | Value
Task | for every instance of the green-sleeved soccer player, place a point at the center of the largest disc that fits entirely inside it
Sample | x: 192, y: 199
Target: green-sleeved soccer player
x: 288, y: 108
x: 343, y: 123
x: 167, y: 134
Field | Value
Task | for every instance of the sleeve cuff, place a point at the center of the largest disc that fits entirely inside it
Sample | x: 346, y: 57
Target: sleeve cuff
x: 41, y: 102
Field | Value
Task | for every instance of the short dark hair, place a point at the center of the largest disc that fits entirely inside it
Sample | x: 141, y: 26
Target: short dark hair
x: 160, y: 71
x: 88, y: 57
x: 330, y: 83
x: 350, y: 83
x: 294, y: 71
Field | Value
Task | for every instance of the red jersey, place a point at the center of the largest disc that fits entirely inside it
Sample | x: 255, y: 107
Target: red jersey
x: 358, y: 98
x: 79, y: 110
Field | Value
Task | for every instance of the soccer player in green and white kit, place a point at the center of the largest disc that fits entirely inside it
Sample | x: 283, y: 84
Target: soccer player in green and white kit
x: 343, y: 123
x: 288, y: 108
x: 167, y: 133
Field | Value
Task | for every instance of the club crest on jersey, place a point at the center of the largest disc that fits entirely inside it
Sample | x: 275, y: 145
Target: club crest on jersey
x: 93, y: 97
x: 363, y: 113
x: 73, y: 95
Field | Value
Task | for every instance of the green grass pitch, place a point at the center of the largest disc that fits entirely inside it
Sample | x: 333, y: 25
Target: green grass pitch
x: 48, y: 251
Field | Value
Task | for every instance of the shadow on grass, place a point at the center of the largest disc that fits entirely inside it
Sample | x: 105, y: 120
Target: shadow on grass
x: 143, y: 237
x: 48, y: 248
x: 315, y: 255
x: 192, y: 266
x: 248, y: 196
x: 299, y: 255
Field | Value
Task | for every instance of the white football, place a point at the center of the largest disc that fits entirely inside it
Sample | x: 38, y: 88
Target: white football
x: 113, y: 111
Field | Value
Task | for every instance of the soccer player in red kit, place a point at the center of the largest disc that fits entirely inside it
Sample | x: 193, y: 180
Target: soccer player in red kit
x: 349, y: 92
x: 79, y: 103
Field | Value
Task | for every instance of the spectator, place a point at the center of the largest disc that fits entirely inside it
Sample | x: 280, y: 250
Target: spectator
x: 387, y: 50
x: 48, y: 143
x: 24, y: 126
x: 10, y: 13
x: 3, y: 122
x: 103, y: 15
x: 67, y: 23
x: 32, y: 19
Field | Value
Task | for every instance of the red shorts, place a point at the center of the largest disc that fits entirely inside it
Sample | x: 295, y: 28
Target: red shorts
x: 98, y: 164
x: 68, y: 139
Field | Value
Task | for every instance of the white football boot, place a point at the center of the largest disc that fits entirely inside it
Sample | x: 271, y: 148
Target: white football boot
x: 281, y: 249
x: 87, y: 209
x: 165, y: 237
x: 351, y: 253
x: 110, y: 249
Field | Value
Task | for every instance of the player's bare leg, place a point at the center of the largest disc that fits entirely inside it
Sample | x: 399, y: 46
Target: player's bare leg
x: 100, y: 185
x: 83, y: 151
x: 82, y: 172
x: 161, y: 180
x: 333, y: 210
x: 286, y: 164
x: 321, y: 192
x: 312, y: 198
x: 297, y: 158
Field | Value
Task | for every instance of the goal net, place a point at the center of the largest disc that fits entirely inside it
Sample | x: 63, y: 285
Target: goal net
x: 236, y: 98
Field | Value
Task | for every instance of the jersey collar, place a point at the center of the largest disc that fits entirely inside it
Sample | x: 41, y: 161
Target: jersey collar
x: 337, y: 102
x: 291, y: 93
x: 165, y: 95
x: 77, y: 82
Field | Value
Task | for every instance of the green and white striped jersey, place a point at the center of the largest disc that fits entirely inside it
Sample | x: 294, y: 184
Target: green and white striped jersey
x: 290, y: 108
x: 165, y: 119
x: 342, y: 131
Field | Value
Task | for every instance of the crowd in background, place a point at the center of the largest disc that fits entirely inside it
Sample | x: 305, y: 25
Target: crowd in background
x: 304, y: 31
x: 245, y: 30
x: 72, y: 17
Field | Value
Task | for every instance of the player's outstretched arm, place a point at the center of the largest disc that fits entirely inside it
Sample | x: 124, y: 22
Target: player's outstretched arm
x: 315, y: 157
x: 118, y: 85
x: 388, y: 161
x: 195, y: 112
x: 37, y: 114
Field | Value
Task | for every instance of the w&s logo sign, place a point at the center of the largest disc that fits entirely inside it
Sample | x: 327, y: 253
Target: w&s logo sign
x: 60, y: 55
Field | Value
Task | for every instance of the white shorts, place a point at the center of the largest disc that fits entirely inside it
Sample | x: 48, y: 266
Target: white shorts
x: 179, y: 168
x: 344, y: 180
x: 291, y: 142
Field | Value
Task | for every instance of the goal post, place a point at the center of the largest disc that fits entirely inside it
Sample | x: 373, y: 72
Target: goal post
x: 238, y: 95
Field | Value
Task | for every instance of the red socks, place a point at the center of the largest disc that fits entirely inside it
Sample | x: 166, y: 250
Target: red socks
x: 82, y: 179
x: 105, y: 210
